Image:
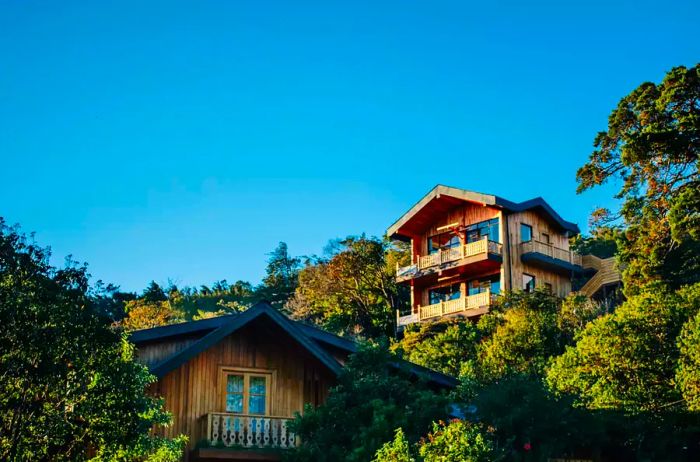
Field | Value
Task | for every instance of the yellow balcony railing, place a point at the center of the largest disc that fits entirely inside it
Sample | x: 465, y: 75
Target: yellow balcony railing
x: 551, y: 251
x: 447, y: 307
x: 482, y: 246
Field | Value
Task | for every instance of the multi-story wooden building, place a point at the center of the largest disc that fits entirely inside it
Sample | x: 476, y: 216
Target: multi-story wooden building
x: 467, y: 247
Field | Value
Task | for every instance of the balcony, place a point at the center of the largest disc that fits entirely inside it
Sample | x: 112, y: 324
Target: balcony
x: 460, y: 305
x: 239, y: 431
x: 449, y: 258
x: 549, y: 257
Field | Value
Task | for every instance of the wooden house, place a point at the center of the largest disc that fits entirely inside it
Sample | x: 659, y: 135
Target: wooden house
x: 233, y: 383
x: 467, y: 247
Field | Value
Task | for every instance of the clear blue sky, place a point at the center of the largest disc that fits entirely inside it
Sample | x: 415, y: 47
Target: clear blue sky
x: 183, y: 140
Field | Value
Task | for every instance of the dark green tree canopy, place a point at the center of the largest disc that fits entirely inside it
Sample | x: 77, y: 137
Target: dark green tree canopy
x: 68, y: 382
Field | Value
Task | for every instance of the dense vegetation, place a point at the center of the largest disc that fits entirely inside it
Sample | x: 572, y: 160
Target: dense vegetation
x: 69, y: 387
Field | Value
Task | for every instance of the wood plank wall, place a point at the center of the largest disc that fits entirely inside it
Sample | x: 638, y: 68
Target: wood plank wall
x: 195, y: 388
x: 561, y: 283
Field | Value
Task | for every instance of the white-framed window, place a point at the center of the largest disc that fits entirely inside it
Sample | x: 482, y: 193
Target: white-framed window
x: 247, y: 391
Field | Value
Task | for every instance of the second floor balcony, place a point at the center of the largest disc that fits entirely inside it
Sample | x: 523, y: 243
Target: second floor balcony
x: 240, y: 431
x: 449, y: 258
x: 461, y: 305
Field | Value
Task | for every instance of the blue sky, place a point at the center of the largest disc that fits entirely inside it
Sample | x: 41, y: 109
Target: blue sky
x: 183, y: 140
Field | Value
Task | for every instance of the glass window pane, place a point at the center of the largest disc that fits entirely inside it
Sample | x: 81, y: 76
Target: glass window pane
x: 257, y: 385
x: 525, y: 232
x: 234, y: 384
x: 256, y: 404
x: 234, y: 402
x: 528, y: 283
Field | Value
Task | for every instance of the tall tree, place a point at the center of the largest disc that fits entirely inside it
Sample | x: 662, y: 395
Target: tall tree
x: 652, y: 145
x: 281, y: 276
x: 352, y: 290
x: 69, y: 385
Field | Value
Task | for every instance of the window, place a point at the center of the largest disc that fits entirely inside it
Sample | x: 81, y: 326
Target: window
x: 525, y: 232
x: 443, y: 294
x: 478, y: 231
x: 528, y: 282
x: 247, y: 392
x: 545, y: 238
x: 548, y: 287
x: 492, y: 283
x: 442, y: 242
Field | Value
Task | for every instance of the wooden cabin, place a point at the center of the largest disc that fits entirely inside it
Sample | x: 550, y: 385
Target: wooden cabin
x: 467, y: 247
x: 233, y: 383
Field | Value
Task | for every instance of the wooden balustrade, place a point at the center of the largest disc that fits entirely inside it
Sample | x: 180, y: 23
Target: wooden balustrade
x: 457, y: 305
x: 442, y: 257
x: 551, y: 251
x: 249, y: 431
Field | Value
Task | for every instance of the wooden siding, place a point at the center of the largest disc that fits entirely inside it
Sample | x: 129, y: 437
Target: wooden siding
x: 465, y: 215
x: 195, y: 388
x: 561, y: 284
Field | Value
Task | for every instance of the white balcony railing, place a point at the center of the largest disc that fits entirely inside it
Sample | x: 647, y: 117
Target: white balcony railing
x: 249, y: 431
x: 482, y: 246
x: 457, y: 305
x: 551, y: 251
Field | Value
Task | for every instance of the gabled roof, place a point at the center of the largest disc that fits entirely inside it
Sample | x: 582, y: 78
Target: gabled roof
x: 213, y: 330
x: 443, y: 198
x: 231, y: 325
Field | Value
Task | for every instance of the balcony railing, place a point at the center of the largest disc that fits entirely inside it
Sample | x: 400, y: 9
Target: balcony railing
x: 551, y: 251
x: 249, y: 431
x: 441, y: 257
x: 437, y: 310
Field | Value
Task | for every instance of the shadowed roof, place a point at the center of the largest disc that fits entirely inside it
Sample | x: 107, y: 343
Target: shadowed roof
x: 441, y: 199
x: 213, y: 330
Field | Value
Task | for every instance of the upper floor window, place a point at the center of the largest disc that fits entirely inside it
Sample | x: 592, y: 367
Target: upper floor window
x: 247, y: 392
x: 442, y: 242
x: 478, y: 231
x: 492, y: 283
x: 444, y: 293
x: 545, y: 238
x: 528, y: 283
x: 525, y: 232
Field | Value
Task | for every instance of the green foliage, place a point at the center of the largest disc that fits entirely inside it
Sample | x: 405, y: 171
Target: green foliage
x: 458, y: 441
x: 281, y: 276
x: 688, y: 371
x: 68, y: 380
x: 602, y: 242
x: 652, y: 144
x: 352, y: 290
x: 371, y: 400
x: 441, y: 346
x: 627, y: 359
x: 396, y: 450
x: 520, y: 334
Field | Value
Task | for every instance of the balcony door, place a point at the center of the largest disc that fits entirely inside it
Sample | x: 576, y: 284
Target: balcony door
x: 247, y: 391
x: 478, y: 286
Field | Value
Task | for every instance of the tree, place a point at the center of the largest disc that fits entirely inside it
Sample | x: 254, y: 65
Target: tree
x: 142, y: 314
x: 154, y: 293
x: 281, y: 277
x: 520, y: 335
x: 653, y: 145
x: 602, y: 242
x: 442, y: 346
x: 688, y: 371
x: 69, y: 385
x: 627, y: 360
x: 459, y: 441
x: 352, y: 291
x: 371, y: 400
x: 396, y: 450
